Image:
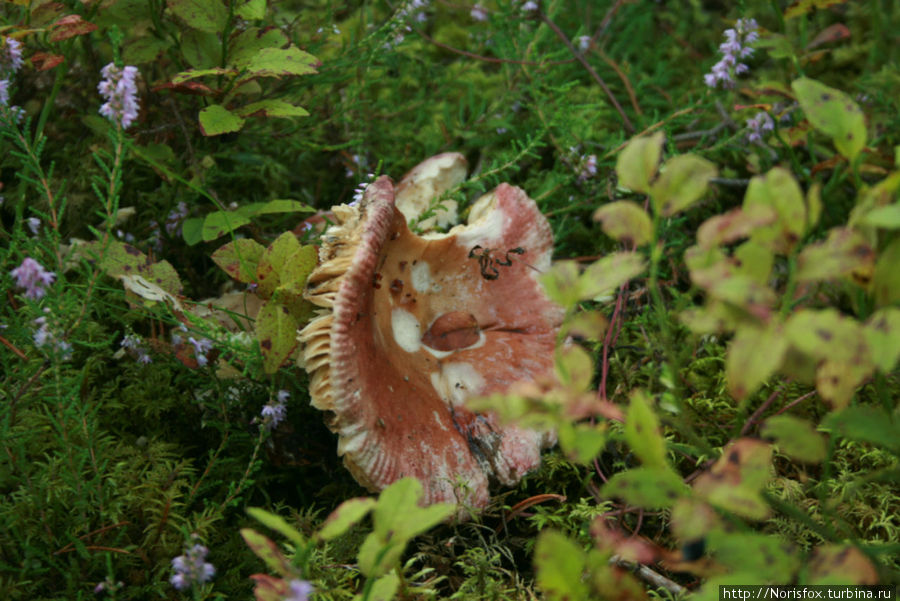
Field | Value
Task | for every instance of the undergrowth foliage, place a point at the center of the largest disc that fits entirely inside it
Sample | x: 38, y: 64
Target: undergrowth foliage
x: 726, y: 221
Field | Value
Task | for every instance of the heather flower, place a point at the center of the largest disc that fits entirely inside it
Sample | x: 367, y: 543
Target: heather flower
x: 300, y: 590
x: 32, y: 276
x: 735, y: 48
x: 478, y: 13
x: 760, y: 124
x: 44, y: 338
x: 584, y: 42
x: 135, y: 345
x: 530, y: 6
x: 120, y: 91
x: 33, y: 224
x: 191, y: 568
x: 361, y: 189
x: 588, y: 167
x: 175, y: 217
x: 4, y: 92
x: 274, y: 412
x: 11, y: 56
x: 201, y: 347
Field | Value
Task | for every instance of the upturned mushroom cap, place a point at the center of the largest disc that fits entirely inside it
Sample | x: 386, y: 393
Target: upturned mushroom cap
x: 412, y: 327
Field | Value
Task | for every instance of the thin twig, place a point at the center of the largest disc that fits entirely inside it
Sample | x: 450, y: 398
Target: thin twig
x: 648, y: 575
x: 752, y: 420
x: 580, y: 57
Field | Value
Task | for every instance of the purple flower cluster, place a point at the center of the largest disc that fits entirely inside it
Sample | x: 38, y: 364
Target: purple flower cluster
x: 299, y: 590
x: 44, y: 338
x: 478, y: 13
x: 134, y: 344
x: 273, y: 413
x: 201, y: 347
x: 32, y: 276
x: 175, y: 217
x: 734, y: 49
x: 10, y: 62
x: 759, y: 125
x: 191, y: 568
x: 119, y: 89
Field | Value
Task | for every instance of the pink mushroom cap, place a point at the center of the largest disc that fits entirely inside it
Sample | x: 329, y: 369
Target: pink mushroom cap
x: 411, y: 327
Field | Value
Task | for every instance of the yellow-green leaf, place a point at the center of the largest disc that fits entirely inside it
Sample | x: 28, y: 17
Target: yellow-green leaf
x: 625, y: 221
x: 642, y: 431
x: 276, y: 331
x: 682, y: 182
x: 779, y: 190
x: 637, y: 163
x: 345, y: 516
x: 559, y: 564
x: 795, y: 437
x: 216, y: 120
x: 834, y: 113
x: 754, y: 355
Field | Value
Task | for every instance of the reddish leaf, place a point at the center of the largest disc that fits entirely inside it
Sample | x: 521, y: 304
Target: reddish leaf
x: 832, y: 33
x: 188, y: 87
x: 69, y: 27
x: 269, y: 588
x: 44, y: 61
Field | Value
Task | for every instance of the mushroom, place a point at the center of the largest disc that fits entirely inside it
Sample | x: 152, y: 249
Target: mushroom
x: 411, y: 326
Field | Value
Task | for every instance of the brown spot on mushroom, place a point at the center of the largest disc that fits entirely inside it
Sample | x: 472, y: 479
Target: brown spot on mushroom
x: 401, y: 265
x: 266, y: 344
x: 397, y: 286
x: 454, y: 330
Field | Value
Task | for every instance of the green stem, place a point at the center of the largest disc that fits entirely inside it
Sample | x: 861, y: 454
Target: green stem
x: 54, y: 91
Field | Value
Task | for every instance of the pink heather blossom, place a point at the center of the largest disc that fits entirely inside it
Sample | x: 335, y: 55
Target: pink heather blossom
x: 760, y: 124
x: 300, y: 590
x: 478, y: 13
x: 4, y: 92
x: 733, y: 49
x: 120, y: 91
x: 11, y: 56
x: 273, y: 413
x: 32, y: 276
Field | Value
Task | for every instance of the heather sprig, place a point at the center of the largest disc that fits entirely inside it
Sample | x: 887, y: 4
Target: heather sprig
x: 119, y: 88
x: 734, y: 49
x: 191, y: 568
x: 32, y: 276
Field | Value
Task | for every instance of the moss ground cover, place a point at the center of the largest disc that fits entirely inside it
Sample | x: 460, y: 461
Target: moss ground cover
x: 722, y: 183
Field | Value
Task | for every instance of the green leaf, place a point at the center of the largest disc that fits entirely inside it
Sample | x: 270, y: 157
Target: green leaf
x: 275, y: 62
x: 834, y: 113
x: 798, y: 8
x: 205, y: 15
x: 192, y: 230
x: 276, y: 330
x: 642, y: 431
x: 249, y: 42
x: 120, y: 259
x: 143, y: 50
x: 295, y: 270
x: 845, y: 253
x: 581, y: 442
x: 273, y: 261
x: 779, y: 190
x: 606, y: 275
x: 824, y: 334
x: 272, y: 108
x: 767, y: 557
x: 559, y: 565
x: 282, y: 205
x: 345, y: 516
x: 868, y: 424
x: 650, y: 488
x: 239, y: 259
x: 200, y: 49
x: 734, y: 225
x: 276, y: 523
x: 266, y: 550
x: 886, y: 278
x: 195, y: 73
x: 795, y: 437
x: 884, y: 217
x: 219, y: 223
x: 250, y: 10
x: 735, y: 482
x: 755, y: 261
x: 397, y: 519
x: 682, y: 182
x: 574, y: 367
x: 561, y: 283
x: 383, y: 589
x: 216, y: 120
x: 882, y: 332
x: 746, y: 367
x: 626, y: 222
x: 637, y: 163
